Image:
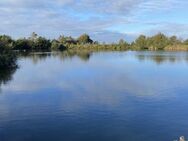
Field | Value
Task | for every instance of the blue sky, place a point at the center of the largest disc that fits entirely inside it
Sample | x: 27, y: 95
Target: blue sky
x: 103, y: 20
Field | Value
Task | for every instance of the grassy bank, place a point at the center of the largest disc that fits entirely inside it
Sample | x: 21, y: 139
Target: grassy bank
x: 176, y: 48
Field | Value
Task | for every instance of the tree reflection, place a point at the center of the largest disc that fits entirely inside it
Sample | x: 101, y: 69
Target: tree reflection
x: 83, y: 55
x: 160, y: 58
x: 68, y: 54
x: 6, y: 75
x: 36, y: 57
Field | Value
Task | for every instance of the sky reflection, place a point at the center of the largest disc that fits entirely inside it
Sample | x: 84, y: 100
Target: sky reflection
x: 106, y: 94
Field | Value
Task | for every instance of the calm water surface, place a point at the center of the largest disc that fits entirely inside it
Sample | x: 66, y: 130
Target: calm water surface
x: 104, y: 96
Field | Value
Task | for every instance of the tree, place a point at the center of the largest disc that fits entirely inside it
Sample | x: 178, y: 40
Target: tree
x: 84, y: 39
x: 6, y: 41
x: 66, y: 40
x: 159, y: 41
x: 123, y: 44
x: 55, y: 44
x: 42, y: 44
x: 7, y: 57
x: 23, y: 44
x: 174, y: 40
x: 141, y: 42
x: 62, y: 47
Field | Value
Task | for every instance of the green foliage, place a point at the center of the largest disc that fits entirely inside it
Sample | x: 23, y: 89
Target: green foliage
x: 23, y: 44
x: 6, y: 41
x: 122, y: 45
x: 159, y: 41
x: 55, y: 45
x: 7, y: 57
x: 67, y: 40
x: 62, y: 47
x: 84, y: 39
x: 35, y: 42
x: 156, y: 42
x: 41, y: 44
x: 141, y: 42
x: 173, y: 40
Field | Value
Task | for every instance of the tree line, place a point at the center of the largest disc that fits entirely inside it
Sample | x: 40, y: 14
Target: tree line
x: 35, y: 42
x: 160, y: 42
x: 7, y: 56
x: 8, y: 46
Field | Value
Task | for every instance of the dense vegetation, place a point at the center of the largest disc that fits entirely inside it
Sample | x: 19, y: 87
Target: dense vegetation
x: 8, y: 46
x: 38, y: 43
x: 159, y: 42
x: 84, y: 42
x: 7, y: 56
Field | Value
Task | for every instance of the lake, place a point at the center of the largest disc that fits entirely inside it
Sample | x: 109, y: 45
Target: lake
x: 96, y: 96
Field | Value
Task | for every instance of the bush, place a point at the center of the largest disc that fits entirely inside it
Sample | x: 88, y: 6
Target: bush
x: 7, y: 58
x: 6, y: 41
x: 42, y: 44
x: 23, y: 44
x: 84, y: 39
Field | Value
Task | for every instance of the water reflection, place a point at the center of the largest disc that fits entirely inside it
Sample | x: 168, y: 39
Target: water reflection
x: 68, y: 95
x: 83, y: 55
x: 6, y: 75
x: 162, y: 57
x: 154, y: 56
x: 41, y: 56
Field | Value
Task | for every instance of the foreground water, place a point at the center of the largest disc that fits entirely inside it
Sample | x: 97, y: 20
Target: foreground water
x: 104, y: 96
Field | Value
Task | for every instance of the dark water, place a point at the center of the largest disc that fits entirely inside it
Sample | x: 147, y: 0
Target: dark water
x: 104, y: 96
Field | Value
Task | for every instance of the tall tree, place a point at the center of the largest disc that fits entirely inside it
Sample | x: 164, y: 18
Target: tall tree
x: 173, y: 40
x: 159, y: 41
x: 6, y: 41
x: 85, y: 39
x: 141, y: 42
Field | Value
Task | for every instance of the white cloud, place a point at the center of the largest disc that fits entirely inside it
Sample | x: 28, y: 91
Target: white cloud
x: 73, y: 17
